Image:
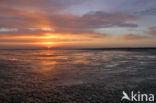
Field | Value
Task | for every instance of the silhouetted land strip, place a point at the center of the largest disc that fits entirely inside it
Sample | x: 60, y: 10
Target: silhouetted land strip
x: 115, y: 49
x: 127, y: 49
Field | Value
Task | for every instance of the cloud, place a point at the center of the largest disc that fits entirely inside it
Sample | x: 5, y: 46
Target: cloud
x: 149, y: 11
x: 128, y: 25
x: 45, y: 6
x: 65, y: 22
x: 8, y: 29
x: 152, y: 30
x: 133, y: 37
x: 56, y: 40
x: 26, y: 29
x: 16, y: 19
x: 31, y: 13
x: 90, y: 21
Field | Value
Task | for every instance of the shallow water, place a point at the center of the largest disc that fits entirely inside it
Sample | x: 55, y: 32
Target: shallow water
x: 37, y: 71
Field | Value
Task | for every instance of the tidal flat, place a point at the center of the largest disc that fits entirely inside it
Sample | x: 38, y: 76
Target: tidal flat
x: 75, y: 76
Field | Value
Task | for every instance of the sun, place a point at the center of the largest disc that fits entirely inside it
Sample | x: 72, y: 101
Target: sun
x: 46, y: 40
x: 49, y: 40
x: 48, y: 44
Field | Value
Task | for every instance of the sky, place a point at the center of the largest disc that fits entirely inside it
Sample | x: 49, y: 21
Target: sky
x: 77, y: 23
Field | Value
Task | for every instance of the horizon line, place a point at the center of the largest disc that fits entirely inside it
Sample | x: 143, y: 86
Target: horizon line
x: 105, y: 48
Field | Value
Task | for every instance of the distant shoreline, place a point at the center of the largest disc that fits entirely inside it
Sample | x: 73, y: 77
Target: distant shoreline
x: 123, y: 48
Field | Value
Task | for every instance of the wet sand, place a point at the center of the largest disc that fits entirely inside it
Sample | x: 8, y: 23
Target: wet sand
x: 80, y: 76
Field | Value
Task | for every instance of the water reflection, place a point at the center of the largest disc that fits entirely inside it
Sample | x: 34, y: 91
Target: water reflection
x: 76, y: 66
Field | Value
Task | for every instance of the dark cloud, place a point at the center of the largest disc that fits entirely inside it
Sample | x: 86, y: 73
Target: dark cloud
x: 150, y: 11
x: 128, y: 25
x: 91, y: 21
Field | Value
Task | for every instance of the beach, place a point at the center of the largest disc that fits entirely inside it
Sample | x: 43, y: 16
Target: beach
x: 75, y: 76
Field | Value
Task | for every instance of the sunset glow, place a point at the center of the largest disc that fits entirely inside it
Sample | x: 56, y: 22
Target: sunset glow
x: 50, y: 23
x: 47, y: 44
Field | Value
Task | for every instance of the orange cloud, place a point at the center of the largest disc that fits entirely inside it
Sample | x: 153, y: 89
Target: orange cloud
x: 152, y: 30
x: 133, y: 37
